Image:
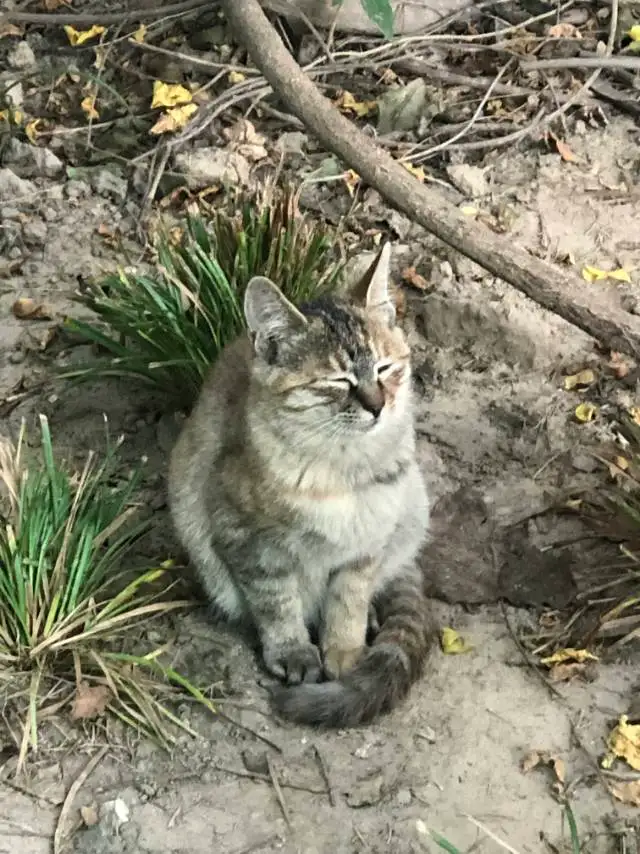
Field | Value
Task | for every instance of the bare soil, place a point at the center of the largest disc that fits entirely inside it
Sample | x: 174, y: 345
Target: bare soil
x: 498, y: 445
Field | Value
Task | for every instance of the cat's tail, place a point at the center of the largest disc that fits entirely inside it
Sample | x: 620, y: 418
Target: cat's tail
x: 381, y: 680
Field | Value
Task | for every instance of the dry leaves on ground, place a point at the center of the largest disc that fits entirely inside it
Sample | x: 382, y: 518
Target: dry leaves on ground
x: 624, y: 743
x: 26, y: 308
x: 580, y: 380
x: 453, y: 643
x: 79, y: 37
x: 90, y: 701
x: 595, y: 274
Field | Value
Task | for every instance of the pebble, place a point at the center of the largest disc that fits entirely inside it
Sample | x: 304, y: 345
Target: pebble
x: 403, y: 798
x: 210, y: 167
x: 107, y: 183
x: 21, y: 57
x: 35, y: 233
x: 31, y: 161
x: 470, y: 180
x: 15, y: 189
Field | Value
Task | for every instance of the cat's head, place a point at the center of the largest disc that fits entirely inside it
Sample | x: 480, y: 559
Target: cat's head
x: 339, y: 364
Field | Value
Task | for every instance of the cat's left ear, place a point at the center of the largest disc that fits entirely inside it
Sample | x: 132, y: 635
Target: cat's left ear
x: 372, y: 290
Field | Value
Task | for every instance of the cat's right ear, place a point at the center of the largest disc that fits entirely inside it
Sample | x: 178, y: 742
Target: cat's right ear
x: 271, y: 318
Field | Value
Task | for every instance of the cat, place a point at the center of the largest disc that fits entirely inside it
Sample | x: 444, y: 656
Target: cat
x: 295, y: 490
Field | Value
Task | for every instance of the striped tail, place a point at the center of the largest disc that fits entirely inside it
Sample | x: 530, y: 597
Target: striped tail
x: 381, y: 680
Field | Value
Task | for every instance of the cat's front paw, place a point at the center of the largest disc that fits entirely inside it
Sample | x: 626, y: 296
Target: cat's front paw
x: 293, y: 663
x: 338, y: 661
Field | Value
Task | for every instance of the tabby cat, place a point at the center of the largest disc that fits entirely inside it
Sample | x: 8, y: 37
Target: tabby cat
x: 295, y: 490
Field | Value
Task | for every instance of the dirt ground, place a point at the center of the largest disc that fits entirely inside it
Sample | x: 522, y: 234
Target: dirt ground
x: 498, y: 446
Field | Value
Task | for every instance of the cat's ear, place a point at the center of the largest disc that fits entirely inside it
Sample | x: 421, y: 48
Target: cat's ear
x: 372, y: 290
x: 270, y: 316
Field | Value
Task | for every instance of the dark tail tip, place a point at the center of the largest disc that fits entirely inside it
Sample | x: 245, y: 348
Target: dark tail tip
x: 377, y: 684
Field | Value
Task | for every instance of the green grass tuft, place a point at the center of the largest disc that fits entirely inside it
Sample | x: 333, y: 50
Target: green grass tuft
x: 168, y: 328
x: 67, y: 597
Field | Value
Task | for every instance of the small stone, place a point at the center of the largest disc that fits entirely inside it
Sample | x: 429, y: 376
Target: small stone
x: 583, y: 462
x: 107, y: 183
x: 10, y: 213
x: 211, y: 167
x: 30, y: 161
x: 13, y: 92
x: 470, y: 180
x: 35, y: 233
x: 77, y: 190
x: 14, y: 189
x: 16, y: 357
x: 21, y: 57
x: 403, y: 798
x: 292, y: 142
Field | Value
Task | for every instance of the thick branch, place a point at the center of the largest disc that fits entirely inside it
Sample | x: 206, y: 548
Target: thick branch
x: 586, y: 306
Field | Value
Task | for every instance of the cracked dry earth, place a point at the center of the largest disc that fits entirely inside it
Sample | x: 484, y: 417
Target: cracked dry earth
x: 497, y: 443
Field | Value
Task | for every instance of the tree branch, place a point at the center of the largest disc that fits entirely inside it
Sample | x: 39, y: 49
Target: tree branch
x: 587, y: 306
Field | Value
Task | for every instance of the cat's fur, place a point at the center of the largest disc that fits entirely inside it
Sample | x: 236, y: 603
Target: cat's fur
x: 295, y: 490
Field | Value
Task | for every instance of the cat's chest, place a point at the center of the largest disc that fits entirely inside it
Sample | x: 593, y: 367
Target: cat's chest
x: 354, y: 521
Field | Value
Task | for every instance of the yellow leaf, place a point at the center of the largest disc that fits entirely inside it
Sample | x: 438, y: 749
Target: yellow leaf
x: 624, y: 742
x: 453, y: 643
x: 12, y: 116
x: 416, y: 171
x: 634, y: 33
x: 593, y: 274
x: 469, y: 210
x: 31, y: 130
x: 569, y: 654
x: 77, y: 37
x: 101, y: 57
x: 621, y: 463
x: 140, y: 34
x: 634, y: 412
x: 629, y: 792
x: 585, y: 412
x: 565, y: 152
x: 582, y: 378
x: 88, y: 105
x: 236, y: 77
x: 351, y: 179
x: 348, y: 104
x: 169, y: 95
x: 174, y: 119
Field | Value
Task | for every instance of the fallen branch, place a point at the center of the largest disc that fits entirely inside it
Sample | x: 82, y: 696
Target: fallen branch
x: 587, y: 307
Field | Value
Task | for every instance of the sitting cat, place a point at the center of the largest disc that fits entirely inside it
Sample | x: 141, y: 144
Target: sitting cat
x: 295, y: 490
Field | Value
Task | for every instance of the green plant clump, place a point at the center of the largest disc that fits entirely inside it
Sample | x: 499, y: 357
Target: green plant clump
x: 65, y: 600
x: 167, y: 329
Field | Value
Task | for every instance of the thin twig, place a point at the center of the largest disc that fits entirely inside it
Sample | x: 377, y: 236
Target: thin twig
x: 278, y: 792
x: 260, y: 843
x: 252, y: 732
x: 631, y: 62
x: 59, y: 835
x: 492, y: 835
x: 255, y: 775
x: 325, y: 775
x: 102, y: 18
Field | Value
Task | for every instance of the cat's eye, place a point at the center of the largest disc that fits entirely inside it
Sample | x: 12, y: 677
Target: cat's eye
x: 339, y: 381
x: 384, y: 367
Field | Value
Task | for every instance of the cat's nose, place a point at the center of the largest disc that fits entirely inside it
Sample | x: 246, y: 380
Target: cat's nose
x: 370, y: 397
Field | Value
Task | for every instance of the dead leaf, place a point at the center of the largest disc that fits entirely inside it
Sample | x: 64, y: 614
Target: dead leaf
x: 571, y: 670
x: 624, y: 742
x: 586, y: 412
x: 569, y: 654
x: 140, y: 34
x: 413, y: 278
x: 31, y: 130
x: 78, y: 37
x: 634, y: 412
x: 565, y: 152
x: 90, y: 701
x: 348, y: 104
x: 580, y: 380
x: 236, y: 77
x: 543, y: 757
x: 351, y: 180
x: 594, y: 274
x: 8, y: 29
x: 618, y: 364
x: 89, y: 815
x: 564, y: 31
x: 26, y: 308
x: 629, y: 792
x: 246, y: 141
x: 618, y: 465
x: 634, y: 33
x: 469, y: 210
x: 417, y: 171
x: 174, y: 119
x: 52, y: 5
x: 169, y: 95
x: 88, y: 106
x: 453, y: 643
x: 400, y: 302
